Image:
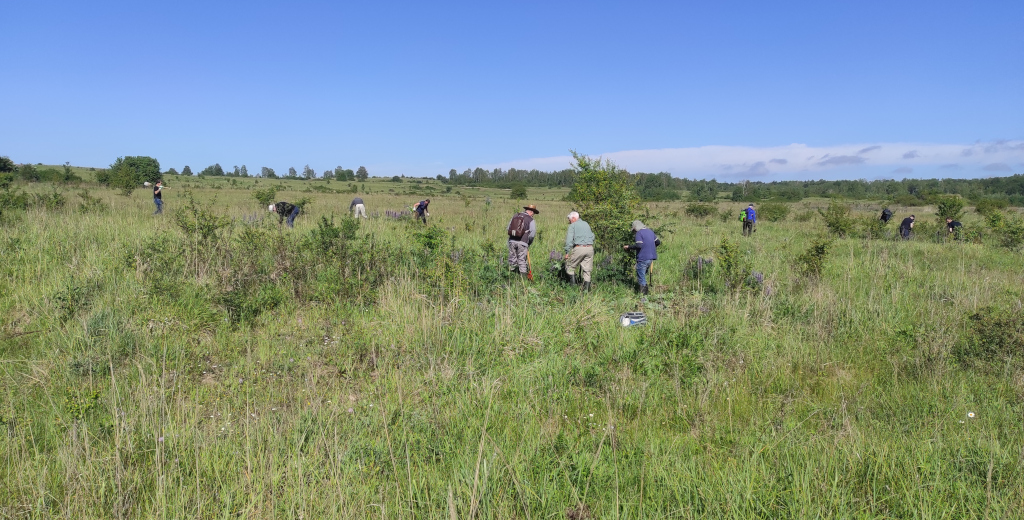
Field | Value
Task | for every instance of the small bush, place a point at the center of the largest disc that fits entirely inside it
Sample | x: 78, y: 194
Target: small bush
x: 837, y: 218
x: 986, y: 206
x: 518, y: 193
x: 90, y: 204
x: 871, y: 227
x: 49, y: 201
x: 812, y: 262
x: 773, y: 212
x: 700, y: 210
x: 995, y: 335
x: 804, y: 216
x: 950, y: 206
x: 1008, y: 229
x: 266, y: 196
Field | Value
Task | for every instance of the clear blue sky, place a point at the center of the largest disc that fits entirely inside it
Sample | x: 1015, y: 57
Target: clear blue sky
x: 418, y: 88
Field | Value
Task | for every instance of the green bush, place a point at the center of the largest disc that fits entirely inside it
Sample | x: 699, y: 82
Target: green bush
x: 872, y: 227
x: 1009, y: 229
x: 804, y: 216
x: 812, y: 261
x: 994, y: 335
x: 518, y: 193
x: 837, y: 218
x: 986, y: 206
x: 90, y: 204
x: 701, y: 210
x: 266, y: 196
x: 773, y: 212
x: 950, y: 206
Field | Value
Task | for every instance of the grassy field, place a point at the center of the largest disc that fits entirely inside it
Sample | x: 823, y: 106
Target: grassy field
x: 206, y: 363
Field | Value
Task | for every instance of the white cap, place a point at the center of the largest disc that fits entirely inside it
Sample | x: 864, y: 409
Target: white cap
x: 270, y: 207
x: 573, y: 214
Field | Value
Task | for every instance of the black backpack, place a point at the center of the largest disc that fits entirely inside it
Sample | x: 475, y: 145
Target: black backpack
x: 519, y: 226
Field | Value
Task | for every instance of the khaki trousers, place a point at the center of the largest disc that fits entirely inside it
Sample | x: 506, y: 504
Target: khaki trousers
x: 581, y: 256
x: 360, y: 210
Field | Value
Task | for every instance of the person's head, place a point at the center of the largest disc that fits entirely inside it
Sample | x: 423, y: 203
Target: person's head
x: 531, y: 209
x: 573, y: 216
x: 750, y: 205
x: 948, y: 220
x: 270, y: 207
x: 637, y: 225
x: 913, y: 217
x: 428, y: 201
x: 159, y: 183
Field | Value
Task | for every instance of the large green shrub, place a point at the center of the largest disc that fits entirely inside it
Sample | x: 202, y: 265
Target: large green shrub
x: 701, y: 210
x: 950, y: 206
x: 773, y: 212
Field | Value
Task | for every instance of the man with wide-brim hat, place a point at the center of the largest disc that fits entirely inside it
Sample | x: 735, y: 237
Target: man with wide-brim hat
x: 522, y: 229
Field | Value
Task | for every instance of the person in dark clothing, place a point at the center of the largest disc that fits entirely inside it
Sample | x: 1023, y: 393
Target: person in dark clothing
x: 644, y: 244
x: 158, y: 197
x: 886, y: 215
x: 749, y: 221
x: 283, y: 210
x: 954, y: 228
x: 421, y: 210
x: 906, y: 226
x: 522, y: 229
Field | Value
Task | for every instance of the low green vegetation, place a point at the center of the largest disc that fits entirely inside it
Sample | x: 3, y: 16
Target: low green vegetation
x: 211, y: 363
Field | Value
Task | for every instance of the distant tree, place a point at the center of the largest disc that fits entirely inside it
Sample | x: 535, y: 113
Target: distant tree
x: 361, y: 173
x: 396, y: 179
x: 950, y: 206
x: 172, y: 171
x: 147, y: 169
x: 308, y: 173
x: 29, y: 173
x: 244, y: 171
x: 518, y: 192
x: 68, y: 175
x: 236, y: 171
x: 452, y: 174
x: 292, y: 173
x: 6, y: 165
x: 213, y: 170
x: 187, y: 171
x: 267, y: 173
x: 327, y: 174
x: 442, y: 178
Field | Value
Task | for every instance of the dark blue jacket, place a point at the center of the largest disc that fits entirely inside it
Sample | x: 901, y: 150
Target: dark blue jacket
x: 646, y: 242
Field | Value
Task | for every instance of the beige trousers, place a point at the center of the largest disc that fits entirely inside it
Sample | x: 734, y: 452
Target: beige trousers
x: 581, y: 256
x: 359, y: 210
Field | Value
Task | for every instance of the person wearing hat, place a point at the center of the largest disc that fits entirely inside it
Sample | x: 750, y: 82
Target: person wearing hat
x: 522, y: 229
x: 644, y: 244
x: 285, y: 209
x: 579, y: 249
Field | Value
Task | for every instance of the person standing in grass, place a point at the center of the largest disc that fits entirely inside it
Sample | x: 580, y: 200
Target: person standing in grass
x: 158, y: 197
x: 360, y: 209
x: 283, y: 210
x: 645, y: 244
x: 749, y: 219
x: 579, y: 249
x: 522, y: 229
x: 421, y: 210
x: 906, y: 226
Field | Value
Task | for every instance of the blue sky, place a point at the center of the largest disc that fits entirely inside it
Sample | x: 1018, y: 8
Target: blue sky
x: 710, y: 89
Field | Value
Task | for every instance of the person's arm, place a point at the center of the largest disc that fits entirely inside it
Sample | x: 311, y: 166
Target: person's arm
x: 569, y: 235
x: 532, y: 232
x: 638, y: 243
x: 352, y: 204
x: 657, y: 242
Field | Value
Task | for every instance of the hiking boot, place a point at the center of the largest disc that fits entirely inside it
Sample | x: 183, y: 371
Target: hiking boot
x: 643, y: 289
x: 586, y: 286
x: 572, y: 279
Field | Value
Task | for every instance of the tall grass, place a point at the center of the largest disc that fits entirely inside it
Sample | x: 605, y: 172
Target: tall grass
x: 440, y: 388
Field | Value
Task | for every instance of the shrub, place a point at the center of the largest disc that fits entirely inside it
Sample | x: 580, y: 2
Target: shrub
x: 6, y: 180
x: 986, y: 206
x: 804, y: 216
x: 700, y: 210
x: 1008, y: 229
x: 90, y: 204
x: 837, y: 218
x: 518, y: 192
x: 950, y: 206
x: 872, y: 227
x: 49, y: 201
x: 731, y: 264
x: 773, y: 211
x: 812, y: 261
x: 994, y: 335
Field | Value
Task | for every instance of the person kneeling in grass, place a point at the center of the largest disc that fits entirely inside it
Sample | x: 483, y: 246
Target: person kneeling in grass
x: 283, y: 210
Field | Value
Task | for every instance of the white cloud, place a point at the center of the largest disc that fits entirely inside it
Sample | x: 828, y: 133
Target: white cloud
x: 796, y: 160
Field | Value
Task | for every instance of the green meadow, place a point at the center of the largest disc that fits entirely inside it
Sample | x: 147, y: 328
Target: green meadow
x: 210, y: 363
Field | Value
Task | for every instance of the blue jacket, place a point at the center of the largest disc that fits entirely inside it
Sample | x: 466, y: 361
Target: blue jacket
x: 646, y: 242
x: 751, y: 215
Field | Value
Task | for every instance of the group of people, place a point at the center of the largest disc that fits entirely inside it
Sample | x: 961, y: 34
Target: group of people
x: 287, y: 210
x: 953, y: 227
x: 578, y: 251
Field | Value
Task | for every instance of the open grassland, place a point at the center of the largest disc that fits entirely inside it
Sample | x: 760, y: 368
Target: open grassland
x: 209, y: 364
